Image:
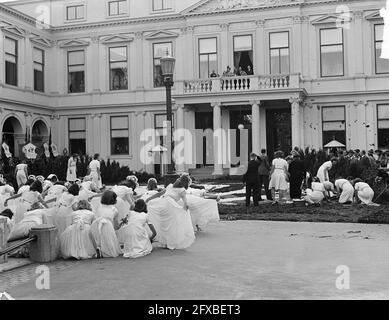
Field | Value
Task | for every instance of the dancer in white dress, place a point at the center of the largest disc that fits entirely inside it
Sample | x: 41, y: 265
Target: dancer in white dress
x: 95, y: 173
x: 135, y: 232
x: 278, y: 176
x: 364, y: 192
x: 76, y: 241
x: 172, y: 222
x: 6, y: 191
x: 346, y: 191
x: 103, y: 228
x: 317, y: 193
x: 71, y: 175
x: 21, y: 173
x: 322, y: 173
x: 8, y: 214
x: 88, y: 189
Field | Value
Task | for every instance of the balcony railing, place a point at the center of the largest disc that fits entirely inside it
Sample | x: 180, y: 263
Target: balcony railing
x: 238, y: 84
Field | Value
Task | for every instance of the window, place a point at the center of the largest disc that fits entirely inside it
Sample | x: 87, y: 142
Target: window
x: 279, y: 52
x: 77, y: 136
x: 334, y: 124
x: 381, y: 65
x: 117, y: 8
x: 119, y: 135
x: 11, y: 62
x: 118, y: 71
x: 208, y: 57
x: 331, y: 52
x: 75, y: 12
x: 383, y: 126
x: 159, y: 51
x: 39, y: 69
x: 161, y: 5
x: 76, y: 71
x: 243, y: 54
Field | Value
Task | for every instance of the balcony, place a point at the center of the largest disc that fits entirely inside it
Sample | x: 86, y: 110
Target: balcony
x: 225, y: 85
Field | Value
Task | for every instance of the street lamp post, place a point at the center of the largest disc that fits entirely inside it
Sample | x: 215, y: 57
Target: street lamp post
x: 167, y: 66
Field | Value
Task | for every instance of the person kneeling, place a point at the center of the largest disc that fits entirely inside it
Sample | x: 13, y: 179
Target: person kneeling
x: 136, y: 232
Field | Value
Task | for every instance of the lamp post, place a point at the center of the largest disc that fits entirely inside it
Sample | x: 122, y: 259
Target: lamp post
x: 167, y: 66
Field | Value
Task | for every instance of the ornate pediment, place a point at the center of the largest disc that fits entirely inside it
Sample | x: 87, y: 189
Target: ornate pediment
x: 74, y: 43
x: 332, y: 18
x: 228, y: 5
x: 161, y: 35
x: 117, y: 39
x: 41, y: 41
x: 16, y: 31
x: 374, y: 16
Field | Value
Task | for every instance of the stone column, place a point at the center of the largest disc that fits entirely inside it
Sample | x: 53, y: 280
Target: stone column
x: 358, y: 43
x: 224, y: 49
x: 180, y: 163
x: 27, y: 78
x: 217, y: 139
x: 139, y: 58
x: 296, y: 121
x: 296, y: 43
x: 94, y: 72
x: 260, y: 44
x: 256, y: 126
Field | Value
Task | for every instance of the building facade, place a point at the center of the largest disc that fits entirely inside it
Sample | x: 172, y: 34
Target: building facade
x: 89, y: 72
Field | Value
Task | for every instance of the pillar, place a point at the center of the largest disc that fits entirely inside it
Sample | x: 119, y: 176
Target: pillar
x: 256, y: 141
x: 180, y: 163
x: 260, y: 45
x: 296, y: 43
x: 94, y: 73
x: 296, y: 121
x: 139, y: 58
x: 217, y: 139
x: 224, y: 48
x: 358, y: 43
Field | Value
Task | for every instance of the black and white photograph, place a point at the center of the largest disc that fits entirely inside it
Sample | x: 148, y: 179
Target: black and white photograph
x: 207, y: 151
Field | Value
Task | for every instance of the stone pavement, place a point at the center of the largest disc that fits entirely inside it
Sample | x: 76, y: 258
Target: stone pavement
x: 230, y: 260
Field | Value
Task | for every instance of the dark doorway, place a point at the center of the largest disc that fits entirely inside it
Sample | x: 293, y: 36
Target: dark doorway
x: 204, y: 121
x: 241, y: 117
x: 279, y: 130
x: 12, y: 134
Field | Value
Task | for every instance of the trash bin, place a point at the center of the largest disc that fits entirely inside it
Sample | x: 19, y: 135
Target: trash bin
x: 44, y: 249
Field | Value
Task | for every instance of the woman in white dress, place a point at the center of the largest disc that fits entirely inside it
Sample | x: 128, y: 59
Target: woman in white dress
x: 322, y: 173
x: 317, y: 193
x: 95, y: 173
x: 363, y: 192
x: 6, y: 191
x: 21, y: 173
x: 135, y: 232
x: 278, y: 173
x: 71, y: 175
x: 103, y: 228
x: 172, y: 222
x: 27, y: 199
x: 8, y: 214
x: 76, y: 241
x: 346, y: 191
x: 88, y: 189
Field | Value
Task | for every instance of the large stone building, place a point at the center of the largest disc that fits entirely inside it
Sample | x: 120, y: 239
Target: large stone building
x: 88, y: 70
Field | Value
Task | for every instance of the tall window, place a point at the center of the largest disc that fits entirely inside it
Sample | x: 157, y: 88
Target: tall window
x: 159, y: 51
x: 381, y: 65
x: 243, y: 54
x: 119, y: 135
x: 208, y: 57
x: 77, y: 136
x: 383, y: 126
x: 75, y: 12
x: 334, y: 124
x: 76, y: 71
x: 279, y: 52
x: 118, y: 68
x: 39, y: 69
x: 11, y: 62
x: 117, y: 8
x: 161, y: 5
x: 331, y: 52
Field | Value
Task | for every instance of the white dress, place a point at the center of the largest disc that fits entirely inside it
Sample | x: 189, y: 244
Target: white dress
x: 27, y: 199
x: 316, y: 194
x: 76, y: 241
x: 202, y: 211
x: 365, y: 192
x: 5, y: 192
x: 322, y: 173
x: 103, y: 231
x: 31, y: 219
x: 94, y: 166
x: 172, y: 223
x: 63, y: 211
x: 135, y: 236
x: 55, y: 192
x: 347, y: 188
x: 86, y: 191
x: 71, y: 175
x: 278, y: 178
x: 21, y: 177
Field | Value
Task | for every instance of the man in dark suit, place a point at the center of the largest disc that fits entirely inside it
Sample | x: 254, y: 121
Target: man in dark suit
x: 264, y: 172
x: 251, y: 179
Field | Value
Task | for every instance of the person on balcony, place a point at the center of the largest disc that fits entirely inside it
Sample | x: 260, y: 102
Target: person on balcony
x: 241, y: 72
x: 250, y: 71
x: 228, y: 72
x: 214, y: 74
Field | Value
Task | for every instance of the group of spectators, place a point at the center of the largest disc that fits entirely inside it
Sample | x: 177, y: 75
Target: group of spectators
x: 237, y: 72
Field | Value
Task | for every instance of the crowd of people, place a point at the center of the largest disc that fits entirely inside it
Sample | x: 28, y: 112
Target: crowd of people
x: 96, y: 222
x: 323, y: 176
x: 237, y: 72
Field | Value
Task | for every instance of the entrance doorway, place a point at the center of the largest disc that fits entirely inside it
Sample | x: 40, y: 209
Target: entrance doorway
x: 40, y: 135
x: 279, y: 130
x: 204, y: 122
x: 13, y: 135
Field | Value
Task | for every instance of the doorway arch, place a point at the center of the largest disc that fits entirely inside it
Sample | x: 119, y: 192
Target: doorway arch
x: 12, y: 135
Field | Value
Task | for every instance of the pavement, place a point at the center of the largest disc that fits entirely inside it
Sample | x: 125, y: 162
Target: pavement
x: 230, y: 260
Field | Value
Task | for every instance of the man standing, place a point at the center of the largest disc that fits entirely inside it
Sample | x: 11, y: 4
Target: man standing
x: 251, y: 179
x: 264, y: 172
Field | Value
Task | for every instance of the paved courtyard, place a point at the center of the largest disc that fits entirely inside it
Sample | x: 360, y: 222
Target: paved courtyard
x: 231, y: 260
